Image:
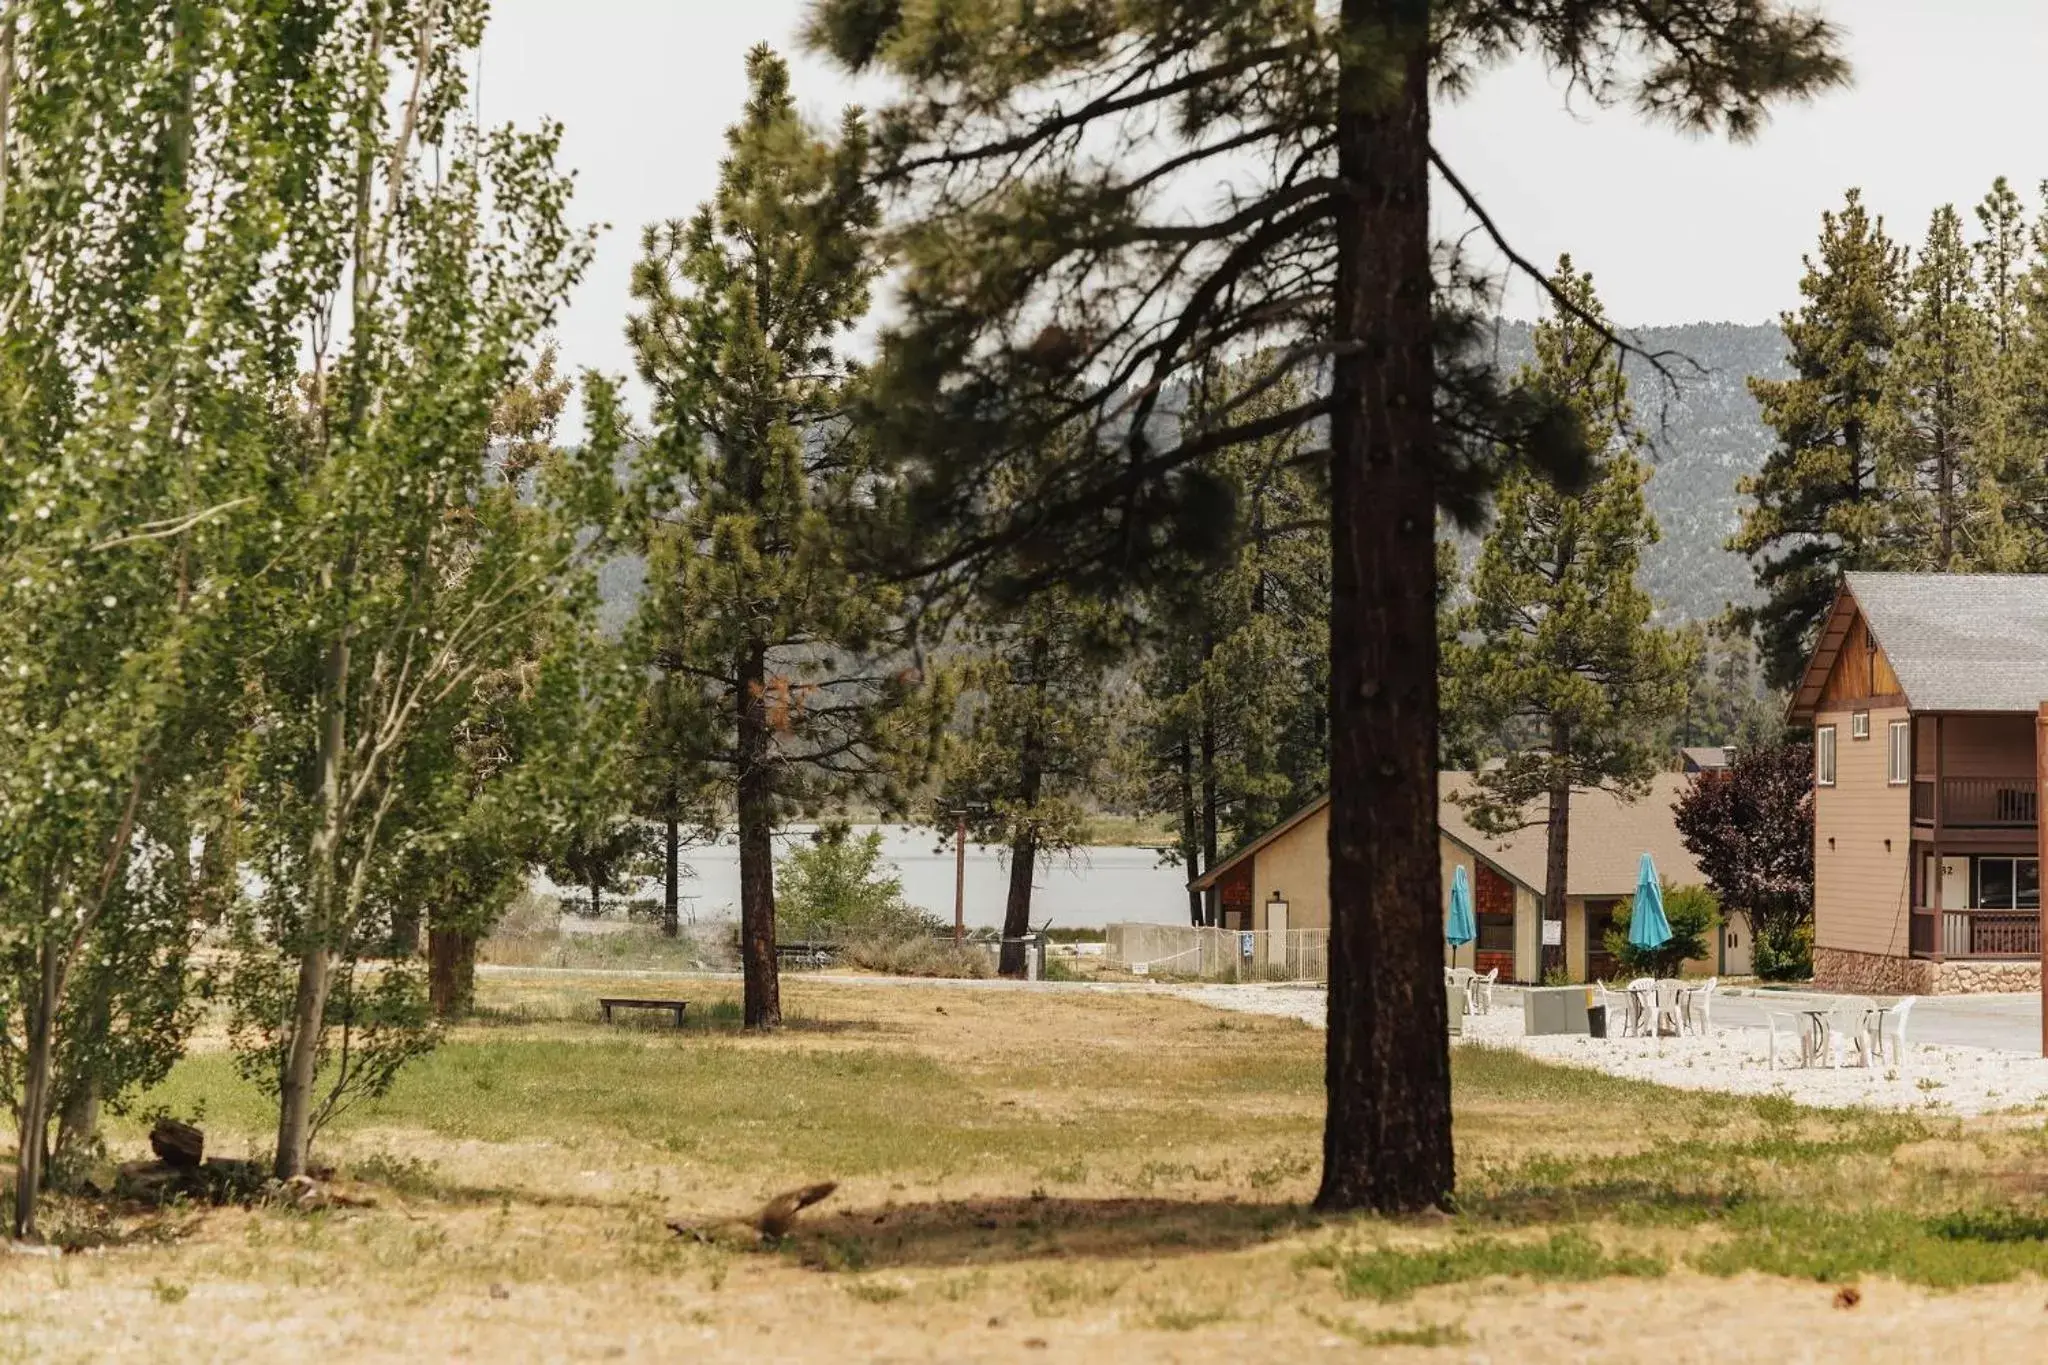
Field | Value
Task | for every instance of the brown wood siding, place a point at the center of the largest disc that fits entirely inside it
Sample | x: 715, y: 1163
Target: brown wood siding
x: 1859, y: 672
x: 1983, y: 746
x: 1860, y: 887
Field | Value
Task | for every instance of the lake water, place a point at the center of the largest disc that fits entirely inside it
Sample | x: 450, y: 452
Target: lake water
x: 1091, y: 888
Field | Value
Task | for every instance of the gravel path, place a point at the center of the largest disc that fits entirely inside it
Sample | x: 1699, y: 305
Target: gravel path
x: 1939, y: 1079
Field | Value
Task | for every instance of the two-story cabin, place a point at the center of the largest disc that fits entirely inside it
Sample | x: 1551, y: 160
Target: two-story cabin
x: 1923, y: 693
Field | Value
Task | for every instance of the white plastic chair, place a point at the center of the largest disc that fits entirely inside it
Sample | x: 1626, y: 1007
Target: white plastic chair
x: 1891, y: 1031
x: 1479, y: 992
x: 1699, y: 1006
x: 1667, y: 1009
x: 1795, y: 1027
x: 1641, y: 1008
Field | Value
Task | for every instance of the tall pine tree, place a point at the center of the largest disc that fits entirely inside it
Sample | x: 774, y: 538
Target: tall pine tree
x: 1102, y: 200
x: 792, y: 681
x: 1816, y: 499
x: 1556, y: 666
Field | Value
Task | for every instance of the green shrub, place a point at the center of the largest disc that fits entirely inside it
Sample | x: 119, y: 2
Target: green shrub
x: 1694, y: 913
x: 836, y: 888
x: 1785, y: 954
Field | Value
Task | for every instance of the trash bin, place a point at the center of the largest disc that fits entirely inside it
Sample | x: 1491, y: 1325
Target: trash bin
x: 1596, y: 1021
x: 1454, y: 999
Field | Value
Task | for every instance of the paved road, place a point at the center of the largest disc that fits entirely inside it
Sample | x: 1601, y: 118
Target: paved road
x: 2006, y: 1023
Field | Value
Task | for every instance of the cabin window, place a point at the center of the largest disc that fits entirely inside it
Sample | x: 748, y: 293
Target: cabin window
x: 1899, y: 769
x: 1859, y: 725
x: 2005, y: 883
x: 1824, y: 755
x: 1496, y: 933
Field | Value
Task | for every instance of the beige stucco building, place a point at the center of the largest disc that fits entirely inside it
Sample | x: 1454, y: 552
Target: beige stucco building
x: 1923, y: 692
x: 1289, y: 867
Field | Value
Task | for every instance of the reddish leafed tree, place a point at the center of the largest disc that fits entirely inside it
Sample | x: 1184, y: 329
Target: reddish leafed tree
x: 1751, y: 829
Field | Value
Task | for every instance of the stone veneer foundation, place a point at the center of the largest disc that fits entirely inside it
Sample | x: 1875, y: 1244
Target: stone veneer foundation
x: 1838, y: 969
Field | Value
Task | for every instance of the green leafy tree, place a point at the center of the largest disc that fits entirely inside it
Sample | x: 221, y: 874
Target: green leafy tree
x: 835, y: 887
x: 406, y: 566
x: 146, y: 198
x: 1038, y: 738
x: 1817, y: 504
x: 1098, y: 202
x: 794, y: 678
x: 1557, y: 671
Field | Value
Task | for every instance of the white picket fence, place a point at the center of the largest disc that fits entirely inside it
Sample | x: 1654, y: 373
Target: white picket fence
x: 1202, y: 954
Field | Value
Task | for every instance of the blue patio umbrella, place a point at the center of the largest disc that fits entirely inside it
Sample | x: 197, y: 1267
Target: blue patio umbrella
x: 1647, y: 927
x: 1459, y: 929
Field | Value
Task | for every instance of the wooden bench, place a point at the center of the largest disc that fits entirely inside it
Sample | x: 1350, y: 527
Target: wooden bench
x: 609, y: 1003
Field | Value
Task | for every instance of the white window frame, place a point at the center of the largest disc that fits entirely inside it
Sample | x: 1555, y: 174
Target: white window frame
x: 1898, y: 753
x: 1824, y: 756
x: 1859, y: 725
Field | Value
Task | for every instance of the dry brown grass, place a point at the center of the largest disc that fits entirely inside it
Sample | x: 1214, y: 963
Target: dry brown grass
x: 1024, y: 1175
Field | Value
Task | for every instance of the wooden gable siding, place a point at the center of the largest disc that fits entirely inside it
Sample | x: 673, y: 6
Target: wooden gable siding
x: 1861, y: 673
x: 1861, y: 886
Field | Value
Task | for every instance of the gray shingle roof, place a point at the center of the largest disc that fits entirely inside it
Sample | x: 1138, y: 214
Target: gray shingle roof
x: 1961, y: 642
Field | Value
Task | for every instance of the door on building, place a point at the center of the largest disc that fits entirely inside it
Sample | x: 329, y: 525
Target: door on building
x: 1276, y: 933
x: 1601, y: 964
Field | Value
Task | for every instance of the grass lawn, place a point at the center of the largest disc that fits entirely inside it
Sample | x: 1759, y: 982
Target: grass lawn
x: 1036, y: 1176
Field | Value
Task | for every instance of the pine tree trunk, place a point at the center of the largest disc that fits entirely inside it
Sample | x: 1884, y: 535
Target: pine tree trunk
x: 32, y: 1136
x: 1190, y: 832
x: 1023, y: 853
x: 1387, y: 1133
x: 1210, y: 841
x: 316, y: 957
x: 451, y: 972
x: 756, y: 819
x: 1557, y: 851
x: 672, y: 885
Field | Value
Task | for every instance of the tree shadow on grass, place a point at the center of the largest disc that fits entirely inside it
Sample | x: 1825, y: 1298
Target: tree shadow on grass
x: 718, y: 1021
x: 969, y: 1232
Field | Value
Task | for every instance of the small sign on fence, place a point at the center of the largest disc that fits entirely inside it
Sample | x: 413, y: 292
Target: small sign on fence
x: 1244, y: 943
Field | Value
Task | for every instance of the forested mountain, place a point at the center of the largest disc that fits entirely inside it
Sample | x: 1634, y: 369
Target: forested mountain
x: 1704, y: 432
x: 1705, y: 435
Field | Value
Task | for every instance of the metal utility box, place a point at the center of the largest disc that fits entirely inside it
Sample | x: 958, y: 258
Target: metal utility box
x: 1554, y: 1009
x: 1455, y: 998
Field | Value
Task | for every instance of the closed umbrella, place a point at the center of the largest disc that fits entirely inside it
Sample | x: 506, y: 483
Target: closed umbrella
x: 1647, y: 927
x: 1459, y: 929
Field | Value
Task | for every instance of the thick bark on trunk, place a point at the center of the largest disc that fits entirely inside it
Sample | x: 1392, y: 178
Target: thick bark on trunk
x: 1017, y: 911
x: 33, y: 1135
x: 1190, y: 831
x: 756, y: 818
x: 1556, y: 859
x: 1023, y: 855
x: 451, y: 972
x: 1387, y: 1135
x: 1210, y: 841
x: 672, y: 884
x: 316, y: 955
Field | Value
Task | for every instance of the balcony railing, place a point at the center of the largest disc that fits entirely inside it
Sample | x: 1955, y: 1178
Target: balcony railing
x: 1976, y: 933
x: 1978, y: 802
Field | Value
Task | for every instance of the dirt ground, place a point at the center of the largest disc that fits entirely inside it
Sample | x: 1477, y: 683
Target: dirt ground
x: 1023, y: 1176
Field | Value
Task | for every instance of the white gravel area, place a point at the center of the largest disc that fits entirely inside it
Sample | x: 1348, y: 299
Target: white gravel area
x: 1948, y: 1080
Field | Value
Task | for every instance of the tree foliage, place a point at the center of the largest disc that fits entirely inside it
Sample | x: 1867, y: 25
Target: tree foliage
x: 1099, y: 202
x: 1913, y: 435
x: 1554, y: 674
x: 1751, y: 832
x: 794, y: 676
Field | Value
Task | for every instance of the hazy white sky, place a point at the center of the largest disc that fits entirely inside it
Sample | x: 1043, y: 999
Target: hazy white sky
x: 1947, y: 96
